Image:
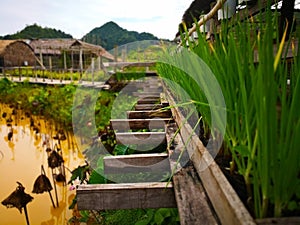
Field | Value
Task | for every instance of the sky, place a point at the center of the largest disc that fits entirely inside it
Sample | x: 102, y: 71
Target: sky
x: 78, y: 17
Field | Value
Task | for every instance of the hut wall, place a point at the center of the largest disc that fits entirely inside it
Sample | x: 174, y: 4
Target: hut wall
x: 18, y: 54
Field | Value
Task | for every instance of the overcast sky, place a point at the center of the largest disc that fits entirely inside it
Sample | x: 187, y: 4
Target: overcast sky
x: 78, y: 17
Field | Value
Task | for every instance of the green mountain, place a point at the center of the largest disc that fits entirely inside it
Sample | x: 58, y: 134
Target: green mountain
x: 111, y: 34
x: 36, y: 31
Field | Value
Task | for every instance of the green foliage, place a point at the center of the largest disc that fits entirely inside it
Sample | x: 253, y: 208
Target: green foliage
x: 81, y: 173
x: 56, y: 103
x: 111, y: 35
x: 262, y: 130
x: 121, y: 149
x: 161, y: 216
x: 36, y: 31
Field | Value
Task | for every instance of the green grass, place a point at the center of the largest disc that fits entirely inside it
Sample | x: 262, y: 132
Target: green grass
x: 262, y: 129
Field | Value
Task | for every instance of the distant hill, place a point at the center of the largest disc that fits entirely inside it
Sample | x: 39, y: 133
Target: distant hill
x: 111, y: 34
x: 36, y: 31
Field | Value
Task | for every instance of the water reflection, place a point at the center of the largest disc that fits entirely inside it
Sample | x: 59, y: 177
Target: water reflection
x: 21, y: 157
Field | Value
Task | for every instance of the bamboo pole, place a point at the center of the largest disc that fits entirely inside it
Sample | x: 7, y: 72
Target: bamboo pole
x: 205, y: 18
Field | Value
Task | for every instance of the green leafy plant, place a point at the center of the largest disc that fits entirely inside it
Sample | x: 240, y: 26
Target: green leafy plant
x: 262, y: 130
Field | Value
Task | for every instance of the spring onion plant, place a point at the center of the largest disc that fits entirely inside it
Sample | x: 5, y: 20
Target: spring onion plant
x: 261, y: 91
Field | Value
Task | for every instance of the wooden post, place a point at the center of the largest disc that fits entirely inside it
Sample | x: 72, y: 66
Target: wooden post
x: 72, y: 65
x: 65, y: 61
x: 50, y: 67
x: 93, y: 69
x: 80, y: 64
x: 41, y: 57
x: 99, y: 60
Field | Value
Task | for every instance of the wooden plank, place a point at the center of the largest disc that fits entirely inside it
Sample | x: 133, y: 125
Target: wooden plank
x: 128, y: 64
x: 147, y: 107
x: 158, y: 88
x: 282, y: 220
x: 146, y: 94
x: 226, y: 203
x: 149, y: 114
x: 125, y: 196
x: 137, y: 163
x: 137, y: 124
x: 151, y: 100
x: 141, y: 138
x: 192, y: 202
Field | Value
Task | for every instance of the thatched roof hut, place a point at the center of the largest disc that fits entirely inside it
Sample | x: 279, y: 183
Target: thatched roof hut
x: 58, y: 46
x: 16, y: 53
x: 67, y: 53
x: 95, y: 49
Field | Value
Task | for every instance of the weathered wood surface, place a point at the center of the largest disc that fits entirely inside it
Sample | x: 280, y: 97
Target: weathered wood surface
x: 141, y: 138
x: 192, y: 202
x: 283, y: 221
x: 128, y: 64
x: 137, y: 124
x: 226, y: 203
x: 137, y: 163
x: 147, y: 107
x: 147, y: 94
x: 157, y: 88
x: 126, y: 196
x: 149, y: 114
x: 149, y: 100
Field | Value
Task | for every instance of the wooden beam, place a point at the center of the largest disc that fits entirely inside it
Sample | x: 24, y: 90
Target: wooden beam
x: 137, y: 163
x: 192, y: 202
x: 137, y: 124
x: 125, y: 196
x: 141, y: 138
x: 153, y: 89
x: 128, y: 64
x: 149, y: 114
x: 226, y: 203
x: 147, y: 107
x: 147, y: 94
x: 149, y: 100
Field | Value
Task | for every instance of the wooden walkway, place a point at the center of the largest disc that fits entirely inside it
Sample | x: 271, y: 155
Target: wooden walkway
x: 201, y: 196
x: 186, y: 191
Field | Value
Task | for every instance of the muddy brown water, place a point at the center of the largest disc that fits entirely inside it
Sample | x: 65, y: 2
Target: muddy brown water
x: 21, y: 159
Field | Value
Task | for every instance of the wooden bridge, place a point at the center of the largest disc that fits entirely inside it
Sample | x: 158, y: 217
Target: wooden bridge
x: 202, y: 196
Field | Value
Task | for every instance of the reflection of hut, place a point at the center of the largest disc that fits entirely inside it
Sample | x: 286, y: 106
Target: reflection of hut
x: 15, y: 53
x: 67, y: 53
